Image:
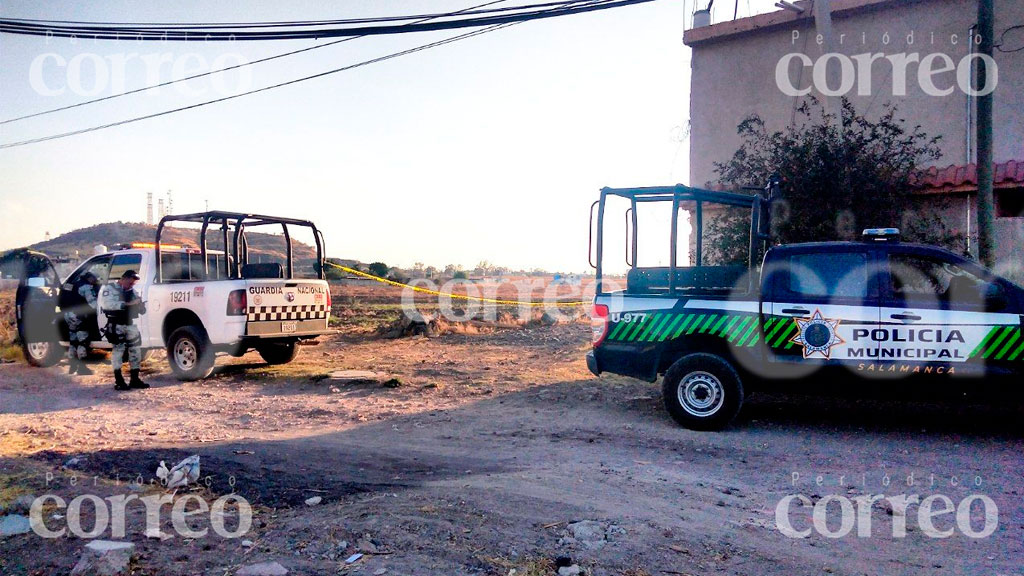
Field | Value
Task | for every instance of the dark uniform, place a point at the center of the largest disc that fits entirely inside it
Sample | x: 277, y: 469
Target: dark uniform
x: 121, y: 305
x: 79, y: 308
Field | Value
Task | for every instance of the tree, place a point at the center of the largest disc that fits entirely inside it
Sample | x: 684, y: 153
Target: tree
x: 379, y: 269
x: 832, y: 184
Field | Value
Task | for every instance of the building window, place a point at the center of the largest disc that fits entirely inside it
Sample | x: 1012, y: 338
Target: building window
x: 1010, y: 203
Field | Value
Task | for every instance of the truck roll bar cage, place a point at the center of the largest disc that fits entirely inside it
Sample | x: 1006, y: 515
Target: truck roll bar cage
x: 759, y: 204
x: 232, y: 226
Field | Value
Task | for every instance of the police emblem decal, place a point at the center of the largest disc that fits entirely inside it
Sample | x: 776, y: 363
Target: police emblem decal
x: 290, y: 296
x: 817, y: 335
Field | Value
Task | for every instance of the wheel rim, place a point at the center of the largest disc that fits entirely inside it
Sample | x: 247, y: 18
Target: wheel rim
x: 701, y: 394
x: 38, y: 350
x: 185, y: 354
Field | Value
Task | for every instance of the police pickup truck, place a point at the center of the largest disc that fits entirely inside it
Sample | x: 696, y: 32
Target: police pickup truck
x: 199, y: 302
x: 874, y: 308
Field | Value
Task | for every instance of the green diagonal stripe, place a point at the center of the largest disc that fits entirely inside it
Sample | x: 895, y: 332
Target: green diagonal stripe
x: 984, y: 341
x: 707, y: 324
x: 670, y: 327
x: 728, y: 327
x: 778, y: 325
x: 719, y: 324
x: 1017, y: 352
x: 739, y: 328
x: 650, y: 325
x: 757, y: 335
x: 1009, y: 344
x: 749, y: 331
x: 695, y: 324
x: 657, y: 330
x: 1005, y: 333
x: 682, y: 327
x: 784, y: 334
x: 630, y: 335
x: 615, y: 331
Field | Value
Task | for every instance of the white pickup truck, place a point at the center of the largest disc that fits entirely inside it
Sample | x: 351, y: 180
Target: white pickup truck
x: 199, y: 302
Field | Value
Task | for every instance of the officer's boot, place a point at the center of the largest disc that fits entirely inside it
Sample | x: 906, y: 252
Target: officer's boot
x: 73, y: 365
x: 119, y: 383
x: 135, y: 381
x: 84, y: 370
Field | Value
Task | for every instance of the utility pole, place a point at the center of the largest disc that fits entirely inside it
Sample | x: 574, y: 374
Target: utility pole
x: 823, y: 24
x: 986, y: 237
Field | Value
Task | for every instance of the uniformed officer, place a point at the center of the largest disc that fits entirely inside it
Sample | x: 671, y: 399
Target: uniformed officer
x: 121, y: 305
x: 79, y: 307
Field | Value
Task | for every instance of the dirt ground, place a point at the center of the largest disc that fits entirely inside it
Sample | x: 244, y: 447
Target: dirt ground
x: 479, y: 453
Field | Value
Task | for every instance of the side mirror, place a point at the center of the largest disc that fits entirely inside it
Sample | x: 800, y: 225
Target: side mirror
x: 36, y: 282
x: 994, y: 296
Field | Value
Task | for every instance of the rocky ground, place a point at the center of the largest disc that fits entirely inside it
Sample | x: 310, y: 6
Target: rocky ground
x: 486, y: 453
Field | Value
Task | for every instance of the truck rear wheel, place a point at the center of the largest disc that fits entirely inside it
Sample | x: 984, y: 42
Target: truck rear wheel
x: 702, y: 392
x: 278, y: 352
x: 189, y: 353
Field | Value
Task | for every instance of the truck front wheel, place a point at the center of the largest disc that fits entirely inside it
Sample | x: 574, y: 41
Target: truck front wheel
x: 278, y: 352
x: 702, y: 392
x: 43, y: 353
x: 189, y: 353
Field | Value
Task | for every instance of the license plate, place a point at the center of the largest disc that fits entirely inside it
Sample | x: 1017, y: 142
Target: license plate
x: 287, y: 327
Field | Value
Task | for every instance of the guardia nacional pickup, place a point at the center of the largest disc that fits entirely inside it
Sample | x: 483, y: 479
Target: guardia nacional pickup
x: 199, y: 302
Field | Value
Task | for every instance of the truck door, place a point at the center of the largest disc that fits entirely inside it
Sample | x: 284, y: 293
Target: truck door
x: 824, y: 308
x: 939, y: 317
x: 35, y: 304
x: 112, y: 269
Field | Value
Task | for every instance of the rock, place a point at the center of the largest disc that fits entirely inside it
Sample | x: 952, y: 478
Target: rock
x: 21, y: 505
x: 14, y: 524
x: 380, y: 572
x: 262, y: 569
x: 589, y: 533
x: 366, y: 546
x: 573, y: 570
x: 104, y: 558
x: 313, y: 501
x: 548, y: 319
x: 357, y: 376
x: 76, y: 462
x: 247, y: 543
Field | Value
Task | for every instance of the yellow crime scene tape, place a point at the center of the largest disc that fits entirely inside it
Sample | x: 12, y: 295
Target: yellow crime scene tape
x: 455, y: 296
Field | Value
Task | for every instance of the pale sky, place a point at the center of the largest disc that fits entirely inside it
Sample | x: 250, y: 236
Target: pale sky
x: 491, y: 148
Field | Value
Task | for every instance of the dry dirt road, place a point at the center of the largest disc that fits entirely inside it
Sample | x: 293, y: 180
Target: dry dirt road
x: 489, y: 452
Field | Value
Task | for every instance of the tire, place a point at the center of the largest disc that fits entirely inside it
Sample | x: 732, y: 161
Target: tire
x: 42, y: 354
x: 702, y: 392
x: 279, y: 352
x: 189, y: 353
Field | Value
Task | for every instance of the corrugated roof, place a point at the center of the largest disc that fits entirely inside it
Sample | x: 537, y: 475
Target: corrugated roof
x: 964, y: 177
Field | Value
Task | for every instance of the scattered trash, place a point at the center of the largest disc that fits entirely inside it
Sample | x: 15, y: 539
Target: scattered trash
x: 157, y: 534
x: 262, y: 569
x: 75, y: 462
x: 14, y: 524
x: 573, y: 570
x: 357, y: 377
x: 353, y: 558
x: 313, y: 501
x: 243, y: 451
x: 183, y: 472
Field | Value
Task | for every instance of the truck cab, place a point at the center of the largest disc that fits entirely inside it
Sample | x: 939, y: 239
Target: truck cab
x: 199, y: 302
x: 875, y: 308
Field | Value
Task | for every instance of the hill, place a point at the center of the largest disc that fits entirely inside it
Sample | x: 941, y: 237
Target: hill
x: 80, y: 243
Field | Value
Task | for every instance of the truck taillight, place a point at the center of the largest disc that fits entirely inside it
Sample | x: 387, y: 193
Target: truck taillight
x: 236, y: 303
x: 328, y: 300
x: 598, y: 323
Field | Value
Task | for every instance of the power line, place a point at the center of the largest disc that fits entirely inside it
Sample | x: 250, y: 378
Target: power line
x: 264, y: 89
x: 137, y: 26
x: 236, y: 66
x: 206, y: 35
